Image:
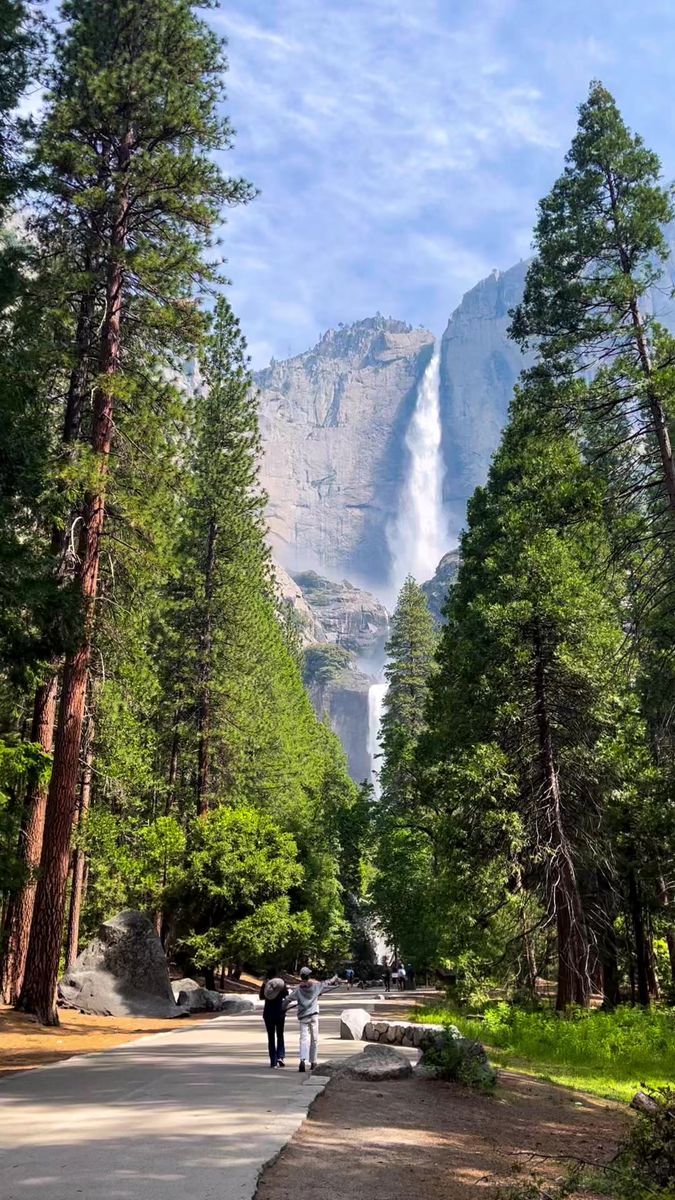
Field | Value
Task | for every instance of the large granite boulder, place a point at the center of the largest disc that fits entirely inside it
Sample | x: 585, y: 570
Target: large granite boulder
x: 352, y: 1023
x: 374, y: 1064
x: 122, y: 973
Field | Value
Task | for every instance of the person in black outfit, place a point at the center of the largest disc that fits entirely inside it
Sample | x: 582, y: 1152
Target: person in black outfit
x: 274, y: 992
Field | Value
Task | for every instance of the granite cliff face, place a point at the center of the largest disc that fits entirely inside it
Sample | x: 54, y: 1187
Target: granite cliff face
x: 479, y: 367
x: 437, y: 588
x: 333, y: 422
x: 342, y: 630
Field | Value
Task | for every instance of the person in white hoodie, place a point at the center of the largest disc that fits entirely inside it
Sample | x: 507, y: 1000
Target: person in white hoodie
x: 306, y: 996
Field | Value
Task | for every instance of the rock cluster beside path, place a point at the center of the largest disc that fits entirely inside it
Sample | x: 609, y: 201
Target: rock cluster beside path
x: 193, y: 998
x: 444, y: 1053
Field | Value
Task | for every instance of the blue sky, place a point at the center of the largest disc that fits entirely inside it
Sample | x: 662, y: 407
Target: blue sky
x: 400, y: 148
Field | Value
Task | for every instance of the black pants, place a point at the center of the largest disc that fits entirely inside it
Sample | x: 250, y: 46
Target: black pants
x: 275, y: 1036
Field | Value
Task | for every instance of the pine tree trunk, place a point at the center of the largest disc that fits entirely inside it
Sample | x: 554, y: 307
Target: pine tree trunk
x: 204, y: 706
x: 173, y: 772
x: 670, y: 942
x: 39, y: 989
x: 79, y: 861
x: 20, y: 914
x: 564, y: 899
x: 606, y: 943
x: 652, y: 976
x: 641, y: 965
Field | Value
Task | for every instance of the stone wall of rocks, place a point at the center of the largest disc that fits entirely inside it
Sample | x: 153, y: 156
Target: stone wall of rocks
x: 405, y: 1033
x: 444, y: 1053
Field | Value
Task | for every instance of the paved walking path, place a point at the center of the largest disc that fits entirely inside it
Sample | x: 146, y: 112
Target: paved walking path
x: 193, y: 1112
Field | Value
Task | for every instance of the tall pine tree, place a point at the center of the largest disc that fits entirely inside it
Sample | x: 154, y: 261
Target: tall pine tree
x: 132, y: 186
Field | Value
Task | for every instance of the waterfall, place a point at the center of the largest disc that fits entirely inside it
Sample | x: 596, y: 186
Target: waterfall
x: 418, y: 538
x: 376, y: 696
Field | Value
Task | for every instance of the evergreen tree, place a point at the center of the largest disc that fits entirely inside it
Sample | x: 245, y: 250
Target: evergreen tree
x: 404, y: 890
x: 526, y: 704
x: 589, y: 306
x: 225, y: 588
x: 600, y: 248
x: 410, y: 662
x: 132, y: 189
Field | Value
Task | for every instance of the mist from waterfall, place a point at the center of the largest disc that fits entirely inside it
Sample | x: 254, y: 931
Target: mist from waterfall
x: 418, y: 538
x: 376, y: 697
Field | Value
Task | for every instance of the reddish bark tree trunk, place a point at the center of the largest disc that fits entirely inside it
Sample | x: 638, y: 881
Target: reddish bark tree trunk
x: 204, y: 707
x: 79, y: 858
x: 38, y: 994
x: 637, y: 920
x: 20, y: 913
x: 564, y: 899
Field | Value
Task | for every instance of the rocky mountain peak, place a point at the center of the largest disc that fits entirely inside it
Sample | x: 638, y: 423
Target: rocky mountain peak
x: 333, y: 424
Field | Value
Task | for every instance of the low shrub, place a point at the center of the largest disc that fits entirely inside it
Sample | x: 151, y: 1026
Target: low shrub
x: 461, y: 1060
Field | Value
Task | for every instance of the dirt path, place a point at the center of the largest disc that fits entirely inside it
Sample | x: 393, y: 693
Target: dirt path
x: 25, y: 1044
x: 421, y: 1138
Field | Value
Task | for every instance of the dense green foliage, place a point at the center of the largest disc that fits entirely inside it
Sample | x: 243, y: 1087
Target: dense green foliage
x: 133, y: 550
x: 536, y: 766
x: 607, y: 1053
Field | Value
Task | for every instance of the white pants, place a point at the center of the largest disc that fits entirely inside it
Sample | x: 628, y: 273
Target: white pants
x: 309, y: 1039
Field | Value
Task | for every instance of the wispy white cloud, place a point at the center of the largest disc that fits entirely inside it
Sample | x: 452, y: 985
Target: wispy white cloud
x: 399, y: 152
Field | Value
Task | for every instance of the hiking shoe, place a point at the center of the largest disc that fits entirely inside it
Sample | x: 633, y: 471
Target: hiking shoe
x: 281, y: 1063
x: 313, y: 1066
x: 301, y: 1067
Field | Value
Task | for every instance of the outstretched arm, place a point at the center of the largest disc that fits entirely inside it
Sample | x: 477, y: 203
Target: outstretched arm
x: 329, y: 983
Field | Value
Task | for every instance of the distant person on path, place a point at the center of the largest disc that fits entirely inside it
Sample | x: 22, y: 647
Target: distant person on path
x: 411, y: 976
x: 306, y: 996
x: 274, y: 992
x: 350, y: 977
x: 401, y: 977
x: 386, y: 971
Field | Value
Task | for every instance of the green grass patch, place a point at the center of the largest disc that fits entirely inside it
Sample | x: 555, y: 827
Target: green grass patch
x: 608, y: 1054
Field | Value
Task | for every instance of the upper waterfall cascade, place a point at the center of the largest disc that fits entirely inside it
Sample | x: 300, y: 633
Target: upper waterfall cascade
x: 418, y: 538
